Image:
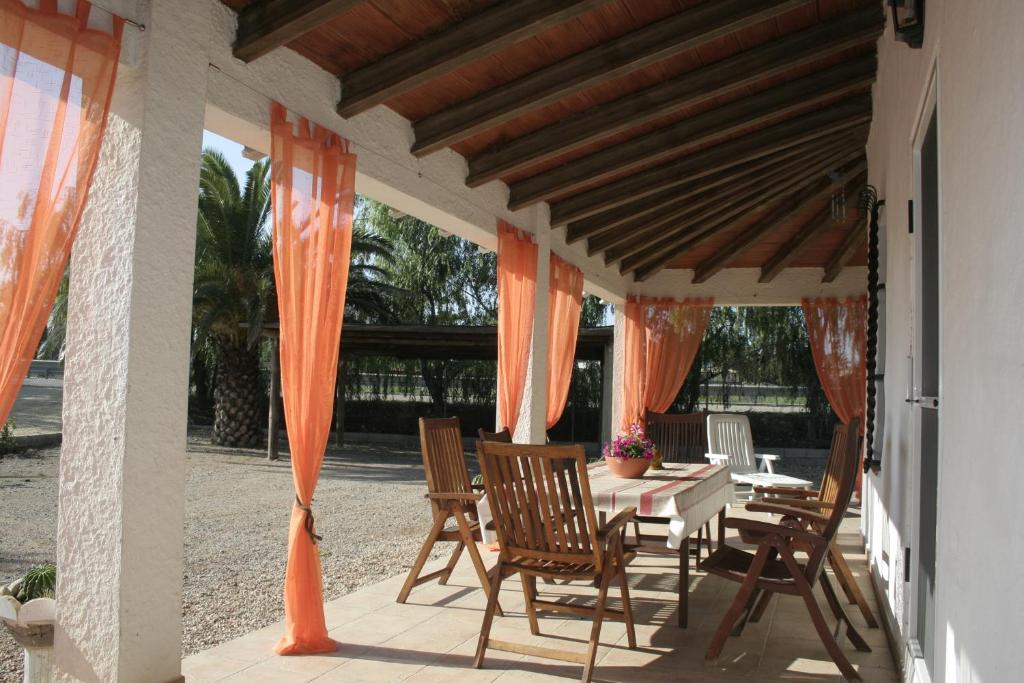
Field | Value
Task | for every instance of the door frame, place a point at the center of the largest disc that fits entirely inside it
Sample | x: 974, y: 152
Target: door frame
x: 916, y: 667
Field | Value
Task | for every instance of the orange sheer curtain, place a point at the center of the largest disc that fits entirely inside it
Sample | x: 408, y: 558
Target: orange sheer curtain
x: 837, y: 332
x: 565, y: 301
x: 312, y: 194
x: 56, y: 78
x: 517, y: 286
x: 662, y: 339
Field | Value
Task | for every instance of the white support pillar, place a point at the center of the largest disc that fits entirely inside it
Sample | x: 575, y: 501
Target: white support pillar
x: 122, y: 469
x: 618, y: 367
x: 533, y: 411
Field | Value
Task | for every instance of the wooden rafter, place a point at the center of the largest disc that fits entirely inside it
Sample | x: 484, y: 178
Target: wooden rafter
x: 796, y: 205
x: 664, y: 227
x: 659, y: 253
x: 854, y: 240
x: 800, y: 95
x: 785, y: 255
x: 503, y: 24
x: 690, y: 89
x: 829, y: 121
x: 683, y: 31
x: 654, y: 206
x: 266, y: 25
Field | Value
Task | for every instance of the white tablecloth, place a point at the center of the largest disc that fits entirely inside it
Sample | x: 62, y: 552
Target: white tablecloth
x: 686, y: 494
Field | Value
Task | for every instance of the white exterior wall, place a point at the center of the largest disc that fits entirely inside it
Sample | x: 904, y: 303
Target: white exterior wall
x: 977, y: 52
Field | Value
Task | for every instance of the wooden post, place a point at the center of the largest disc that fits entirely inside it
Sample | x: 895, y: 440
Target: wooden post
x: 275, y: 400
x: 339, y: 405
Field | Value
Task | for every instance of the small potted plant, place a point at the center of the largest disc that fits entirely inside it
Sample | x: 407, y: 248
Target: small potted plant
x: 630, y: 453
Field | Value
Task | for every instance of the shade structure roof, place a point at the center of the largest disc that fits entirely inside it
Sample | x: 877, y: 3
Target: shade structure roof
x: 665, y: 133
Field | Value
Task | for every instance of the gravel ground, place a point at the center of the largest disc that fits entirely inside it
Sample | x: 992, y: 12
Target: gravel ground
x: 369, y: 507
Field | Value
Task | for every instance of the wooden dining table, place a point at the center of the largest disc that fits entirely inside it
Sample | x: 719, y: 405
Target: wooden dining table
x: 687, y: 495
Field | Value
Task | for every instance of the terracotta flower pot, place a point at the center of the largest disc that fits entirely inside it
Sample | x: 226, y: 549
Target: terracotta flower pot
x: 627, y: 468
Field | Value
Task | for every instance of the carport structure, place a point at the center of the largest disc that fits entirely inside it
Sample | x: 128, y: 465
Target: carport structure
x: 668, y: 148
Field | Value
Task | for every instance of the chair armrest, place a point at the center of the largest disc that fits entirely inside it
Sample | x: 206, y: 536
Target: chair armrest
x: 472, y: 497
x: 617, y: 522
x: 766, y: 462
x: 768, y: 456
x: 786, y: 511
x: 754, y: 531
x: 717, y: 458
x: 809, y: 504
x: 786, y: 491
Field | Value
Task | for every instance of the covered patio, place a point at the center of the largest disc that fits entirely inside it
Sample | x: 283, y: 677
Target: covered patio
x: 668, y: 153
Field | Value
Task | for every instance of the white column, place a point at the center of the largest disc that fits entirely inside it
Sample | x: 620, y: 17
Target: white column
x: 618, y: 366
x: 122, y: 467
x: 533, y: 411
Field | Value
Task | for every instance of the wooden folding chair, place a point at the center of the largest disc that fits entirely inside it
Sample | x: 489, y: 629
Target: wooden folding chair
x: 822, y: 501
x: 546, y: 525
x: 773, y: 568
x: 451, y: 496
x: 679, y: 438
x: 504, y: 436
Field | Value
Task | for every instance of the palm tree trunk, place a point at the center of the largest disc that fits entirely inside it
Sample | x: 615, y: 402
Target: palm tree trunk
x: 238, y: 397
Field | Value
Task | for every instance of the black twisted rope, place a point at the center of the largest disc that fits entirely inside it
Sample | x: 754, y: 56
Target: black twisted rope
x: 871, y: 205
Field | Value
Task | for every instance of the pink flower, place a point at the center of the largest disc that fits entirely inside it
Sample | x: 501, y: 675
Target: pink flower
x: 632, y: 443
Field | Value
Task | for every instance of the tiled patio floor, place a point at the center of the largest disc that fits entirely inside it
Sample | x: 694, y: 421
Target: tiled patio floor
x: 433, y: 637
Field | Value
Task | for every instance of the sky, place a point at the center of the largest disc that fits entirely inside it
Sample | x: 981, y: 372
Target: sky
x: 231, y: 150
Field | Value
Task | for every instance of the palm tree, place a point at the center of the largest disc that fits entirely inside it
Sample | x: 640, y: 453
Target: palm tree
x: 233, y: 291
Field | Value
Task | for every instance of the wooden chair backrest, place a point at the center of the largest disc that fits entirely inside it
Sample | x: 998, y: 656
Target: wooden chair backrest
x: 729, y: 434
x: 679, y: 438
x: 504, y: 436
x: 444, y: 461
x: 844, y: 459
x: 540, y: 501
x: 829, y: 489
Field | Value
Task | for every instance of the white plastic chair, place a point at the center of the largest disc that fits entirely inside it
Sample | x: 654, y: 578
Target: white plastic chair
x: 731, y: 443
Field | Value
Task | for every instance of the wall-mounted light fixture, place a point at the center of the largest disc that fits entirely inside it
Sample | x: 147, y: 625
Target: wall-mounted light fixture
x: 908, y: 21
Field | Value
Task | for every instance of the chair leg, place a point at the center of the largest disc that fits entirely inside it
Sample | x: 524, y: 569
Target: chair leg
x: 849, y: 584
x: 528, y: 596
x: 492, y: 605
x: 748, y: 609
x: 755, y: 603
x: 636, y: 531
x: 700, y: 542
x: 421, y: 559
x: 474, y: 553
x: 595, y: 630
x: 762, y: 607
x: 627, y: 605
x: 840, y: 613
x: 456, y: 554
x: 737, y: 606
x: 818, y: 619
x: 683, y: 611
x: 707, y: 534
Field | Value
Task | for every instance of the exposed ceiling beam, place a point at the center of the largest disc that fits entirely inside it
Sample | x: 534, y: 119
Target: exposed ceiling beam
x: 659, y: 253
x: 855, y: 239
x: 667, y: 225
x: 793, y: 207
x: 690, y: 89
x: 803, y: 94
x: 266, y: 25
x: 828, y: 121
x: 633, y: 213
x: 792, y: 248
x: 609, y: 60
x: 497, y: 27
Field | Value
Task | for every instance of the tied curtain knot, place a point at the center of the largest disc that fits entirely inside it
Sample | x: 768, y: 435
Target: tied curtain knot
x: 308, y: 522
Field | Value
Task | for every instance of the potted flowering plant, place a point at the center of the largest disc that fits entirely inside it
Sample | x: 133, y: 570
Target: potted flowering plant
x: 630, y: 453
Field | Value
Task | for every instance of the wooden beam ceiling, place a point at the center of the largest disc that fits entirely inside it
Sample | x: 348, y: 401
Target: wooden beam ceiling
x: 792, y: 248
x: 855, y: 239
x: 659, y: 253
x: 690, y: 89
x: 266, y: 25
x: 795, y: 205
x: 503, y: 24
x: 655, y: 42
x: 644, y: 209
x: 665, y: 225
x: 800, y: 95
x: 845, y: 115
